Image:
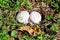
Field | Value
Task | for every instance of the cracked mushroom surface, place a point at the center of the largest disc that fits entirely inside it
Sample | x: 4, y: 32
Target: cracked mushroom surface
x: 23, y: 17
x: 35, y: 17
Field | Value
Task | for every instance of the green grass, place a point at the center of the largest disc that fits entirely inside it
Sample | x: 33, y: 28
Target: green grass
x: 49, y: 17
x: 8, y: 20
x: 14, y: 5
x: 54, y: 28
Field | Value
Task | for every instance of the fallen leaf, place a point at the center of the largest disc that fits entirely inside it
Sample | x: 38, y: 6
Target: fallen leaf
x: 31, y: 31
x: 37, y: 30
x: 27, y: 28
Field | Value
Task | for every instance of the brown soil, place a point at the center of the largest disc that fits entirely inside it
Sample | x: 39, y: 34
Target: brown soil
x: 44, y: 10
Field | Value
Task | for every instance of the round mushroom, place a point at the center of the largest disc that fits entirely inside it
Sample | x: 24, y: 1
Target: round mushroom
x: 23, y: 17
x: 35, y: 17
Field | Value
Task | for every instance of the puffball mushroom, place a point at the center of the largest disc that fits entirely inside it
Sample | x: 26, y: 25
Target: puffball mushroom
x: 35, y: 17
x: 23, y: 17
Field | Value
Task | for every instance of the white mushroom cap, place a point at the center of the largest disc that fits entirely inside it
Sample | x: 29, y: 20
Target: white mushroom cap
x: 23, y: 17
x: 35, y: 17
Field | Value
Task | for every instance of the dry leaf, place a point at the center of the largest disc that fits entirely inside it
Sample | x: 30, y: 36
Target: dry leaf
x: 37, y: 30
x: 31, y: 31
x: 27, y: 28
